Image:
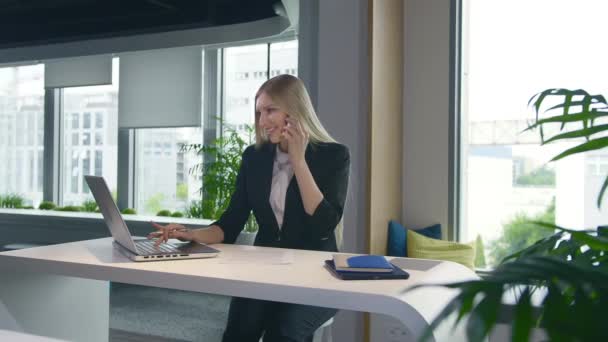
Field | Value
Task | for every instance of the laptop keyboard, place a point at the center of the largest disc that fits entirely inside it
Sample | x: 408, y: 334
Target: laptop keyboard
x: 148, y: 247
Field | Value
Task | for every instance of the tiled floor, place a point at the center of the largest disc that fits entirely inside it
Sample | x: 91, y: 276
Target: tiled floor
x: 127, y: 336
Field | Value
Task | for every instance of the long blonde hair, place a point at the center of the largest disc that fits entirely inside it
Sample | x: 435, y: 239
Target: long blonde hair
x: 289, y: 94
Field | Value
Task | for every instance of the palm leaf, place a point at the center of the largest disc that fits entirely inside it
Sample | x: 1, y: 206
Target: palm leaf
x: 595, y: 242
x: 568, y: 118
x: 484, y: 315
x: 559, y: 277
x: 570, y: 266
x: 590, y: 145
x: 579, y: 133
x: 523, y: 322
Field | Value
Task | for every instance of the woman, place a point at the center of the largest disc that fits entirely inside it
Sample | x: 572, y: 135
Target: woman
x: 295, y: 179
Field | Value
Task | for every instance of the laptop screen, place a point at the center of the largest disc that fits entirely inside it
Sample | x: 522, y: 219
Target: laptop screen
x: 110, y: 212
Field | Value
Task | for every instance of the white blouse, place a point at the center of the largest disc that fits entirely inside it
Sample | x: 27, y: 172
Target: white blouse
x: 282, y: 172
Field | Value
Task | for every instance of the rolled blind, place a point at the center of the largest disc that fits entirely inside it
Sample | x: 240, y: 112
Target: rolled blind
x: 78, y: 71
x: 160, y: 88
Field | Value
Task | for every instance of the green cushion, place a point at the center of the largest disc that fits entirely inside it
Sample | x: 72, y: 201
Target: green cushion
x: 419, y: 246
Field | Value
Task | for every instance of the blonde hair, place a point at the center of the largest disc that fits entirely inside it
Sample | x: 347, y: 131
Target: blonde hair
x: 289, y: 94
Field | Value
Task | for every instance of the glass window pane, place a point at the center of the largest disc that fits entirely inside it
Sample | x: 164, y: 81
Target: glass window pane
x: 239, y: 88
x: 74, y: 172
x: 98, y: 163
x: 98, y: 138
x: 86, y: 169
x: 86, y: 138
x: 163, y: 178
x: 284, y: 58
x: 40, y: 129
x: 31, y: 127
x: 86, y: 120
x: 85, y: 156
x: 31, y: 176
x: 507, y: 178
x: 98, y: 120
x: 75, y: 121
x: 21, y: 128
x: 39, y: 166
x: 21, y: 131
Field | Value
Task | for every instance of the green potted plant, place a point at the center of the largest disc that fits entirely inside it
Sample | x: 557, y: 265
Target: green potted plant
x: 72, y: 208
x: 47, y: 205
x: 219, y: 169
x: 89, y: 206
x: 567, y: 269
x: 129, y: 211
x: 164, y: 212
x: 11, y: 201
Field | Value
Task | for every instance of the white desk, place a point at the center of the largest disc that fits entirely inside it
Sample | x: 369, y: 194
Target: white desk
x: 61, y: 291
x: 14, y: 336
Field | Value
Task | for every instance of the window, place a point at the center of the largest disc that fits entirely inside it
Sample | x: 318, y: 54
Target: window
x: 163, y: 178
x: 90, y: 138
x: 239, y: 93
x: 98, y: 138
x: 99, y: 120
x: 86, y: 124
x: 75, y: 121
x: 284, y: 58
x: 86, y: 138
x: 98, y: 163
x: 22, y: 132
x: 506, y: 176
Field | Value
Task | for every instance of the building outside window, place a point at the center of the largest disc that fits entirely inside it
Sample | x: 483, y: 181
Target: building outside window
x: 90, y: 138
x: 164, y: 180
x: 239, y: 93
x: 22, y: 132
x: 163, y: 177
x: 506, y: 176
x: 89, y: 132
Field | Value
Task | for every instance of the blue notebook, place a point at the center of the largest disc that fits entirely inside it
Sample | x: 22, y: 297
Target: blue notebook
x: 396, y: 273
x: 362, y: 263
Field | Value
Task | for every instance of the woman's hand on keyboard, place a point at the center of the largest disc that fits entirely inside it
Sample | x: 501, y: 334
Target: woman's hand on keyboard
x: 170, y: 231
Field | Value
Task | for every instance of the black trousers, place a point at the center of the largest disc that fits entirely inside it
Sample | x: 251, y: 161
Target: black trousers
x: 248, y: 319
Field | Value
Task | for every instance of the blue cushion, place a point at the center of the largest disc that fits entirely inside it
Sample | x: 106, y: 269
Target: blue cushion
x: 397, y: 237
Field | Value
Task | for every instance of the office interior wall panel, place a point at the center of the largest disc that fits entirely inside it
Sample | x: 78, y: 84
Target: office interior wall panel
x: 385, y: 120
x: 340, y: 73
x: 385, y: 125
x: 426, y: 144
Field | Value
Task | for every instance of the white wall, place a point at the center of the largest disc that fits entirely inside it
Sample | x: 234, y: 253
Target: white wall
x: 343, y: 106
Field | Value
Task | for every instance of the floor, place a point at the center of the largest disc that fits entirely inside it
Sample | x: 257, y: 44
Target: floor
x: 139, y: 313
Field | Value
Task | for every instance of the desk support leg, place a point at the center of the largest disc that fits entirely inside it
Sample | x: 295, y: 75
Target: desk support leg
x: 67, y: 308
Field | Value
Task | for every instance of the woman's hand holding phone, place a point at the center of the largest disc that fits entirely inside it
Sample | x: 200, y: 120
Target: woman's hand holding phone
x: 297, y: 139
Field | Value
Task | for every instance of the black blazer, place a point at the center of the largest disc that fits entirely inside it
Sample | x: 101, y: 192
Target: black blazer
x: 329, y: 165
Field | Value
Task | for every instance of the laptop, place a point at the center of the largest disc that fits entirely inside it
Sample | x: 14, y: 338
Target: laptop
x: 143, y: 249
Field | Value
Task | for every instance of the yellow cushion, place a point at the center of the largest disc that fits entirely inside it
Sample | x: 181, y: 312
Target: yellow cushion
x: 420, y: 246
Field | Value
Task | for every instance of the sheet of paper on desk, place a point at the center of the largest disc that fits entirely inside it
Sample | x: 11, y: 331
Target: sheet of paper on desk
x: 258, y: 257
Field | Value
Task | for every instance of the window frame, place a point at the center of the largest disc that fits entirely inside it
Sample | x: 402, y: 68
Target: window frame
x: 213, y: 103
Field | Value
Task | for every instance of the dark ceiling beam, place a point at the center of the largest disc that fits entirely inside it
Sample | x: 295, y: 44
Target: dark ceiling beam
x: 32, y: 22
x: 162, y: 4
